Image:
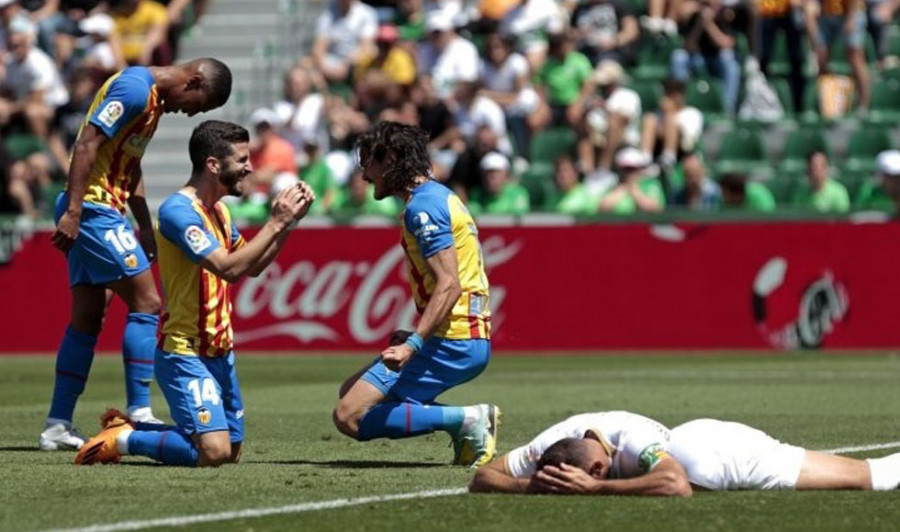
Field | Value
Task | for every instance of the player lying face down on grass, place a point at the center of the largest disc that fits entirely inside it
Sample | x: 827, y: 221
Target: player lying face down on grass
x: 104, y: 255
x: 394, y: 396
x: 620, y: 453
x: 201, y: 252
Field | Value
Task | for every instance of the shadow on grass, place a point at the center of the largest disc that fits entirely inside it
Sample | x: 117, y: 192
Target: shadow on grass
x: 20, y: 449
x: 350, y: 464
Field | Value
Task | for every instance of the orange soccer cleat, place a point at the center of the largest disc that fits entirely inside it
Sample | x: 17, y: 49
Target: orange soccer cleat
x: 102, y: 448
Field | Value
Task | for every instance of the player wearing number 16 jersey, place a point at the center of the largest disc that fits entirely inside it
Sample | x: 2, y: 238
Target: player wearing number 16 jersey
x: 394, y: 397
x: 104, y: 254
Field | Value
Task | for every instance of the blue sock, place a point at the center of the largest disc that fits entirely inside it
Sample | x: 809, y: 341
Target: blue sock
x: 152, y: 427
x: 402, y: 420
x: 171, y: 447
x: 138, y: 350
x: 73, y: 364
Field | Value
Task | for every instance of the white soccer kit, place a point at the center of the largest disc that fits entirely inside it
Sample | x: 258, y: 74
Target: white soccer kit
x: 723, y: 455
x: 633, y: 442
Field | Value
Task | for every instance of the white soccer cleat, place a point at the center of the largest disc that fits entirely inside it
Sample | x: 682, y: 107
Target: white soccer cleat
x: 60, y: 435
x: 143, y: 414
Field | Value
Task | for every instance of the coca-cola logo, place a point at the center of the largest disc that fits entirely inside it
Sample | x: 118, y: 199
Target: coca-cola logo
x: 823, y: 304
x: 307, y: 301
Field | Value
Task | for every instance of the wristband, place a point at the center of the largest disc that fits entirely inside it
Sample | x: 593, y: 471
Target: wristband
x: 415, y: 341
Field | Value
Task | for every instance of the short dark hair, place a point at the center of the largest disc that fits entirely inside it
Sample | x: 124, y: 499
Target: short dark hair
x: 571, y: 451
x: 674, y: 86
x: 214, y: 138
x: 734, y: 182
x: 217, y: 78
x: 403, y: 147
x: 813, y: 152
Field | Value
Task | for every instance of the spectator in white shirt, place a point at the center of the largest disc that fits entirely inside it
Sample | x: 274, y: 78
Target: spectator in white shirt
x: 446, y: 58
x: 504, y: 75
x: 530, y: 22
x: 302, y: 111
x: 32, y: 86
x: 345, y: 31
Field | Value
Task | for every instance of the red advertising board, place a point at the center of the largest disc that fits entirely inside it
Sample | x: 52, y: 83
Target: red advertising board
x: 584, y: 287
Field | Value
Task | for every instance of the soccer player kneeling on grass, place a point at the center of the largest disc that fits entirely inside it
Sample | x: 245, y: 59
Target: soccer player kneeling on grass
x: 394, y: 396
x: 619, y: 453
x: 200, y: 253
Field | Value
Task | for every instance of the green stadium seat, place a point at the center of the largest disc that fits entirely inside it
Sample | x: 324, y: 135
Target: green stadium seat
x: 864, y: 146
x: 853, y: 180
x: 837, y: 63
x: 650, y: 91
x: 652, y: 62
x: 885, y: 105
x: 547, y: 145
x: 783, y: 89
x: 538, y: 181
x: 779, y: 65
x: 783, y: 187
x: 741, y: 151
x: 872, y: 197
x: 810, y: 114
x: 706, y: 95
x: 797, y: 147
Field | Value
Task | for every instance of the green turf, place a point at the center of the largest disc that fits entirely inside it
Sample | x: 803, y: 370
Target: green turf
x: 294, y: 455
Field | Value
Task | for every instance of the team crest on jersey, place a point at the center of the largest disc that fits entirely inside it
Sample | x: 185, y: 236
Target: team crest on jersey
x: 196, y: 239
x: 204, y: 416
x: 131, y: 260
x: 650, y: 456
x: 111, y: 113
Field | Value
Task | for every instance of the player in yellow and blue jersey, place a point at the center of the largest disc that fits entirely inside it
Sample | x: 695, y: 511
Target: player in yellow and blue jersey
x: 105, y: 256
x: 201, y: 253
x: 394, y: 397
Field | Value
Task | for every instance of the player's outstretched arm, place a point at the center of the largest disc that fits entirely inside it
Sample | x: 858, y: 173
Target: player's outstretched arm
x: 494, y: 478
x: 84, y: 153
x: 288, y: 206
x: 667, y: 479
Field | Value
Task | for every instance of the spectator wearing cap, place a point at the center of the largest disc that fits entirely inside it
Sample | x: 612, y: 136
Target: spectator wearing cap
x: 504, y: 75
x: 634, y: 192
x: 674, y: 129
x: 529, y: 23
x: 497, y: 193
x: 33, y: 87
x: 883, y: 192
x: 610, y: 117
x: 560, y: 83
x: 395, y: 63
x: 844, y: 19
x: 357, y: 198
x: 606, y: 29
x: 821, y: 193
x: 345, y: 32
x: 270, y: 155
x: 446, y: 58
x: 571, y: 195
x: 301, y: 113
x: 9, y: 9
x: 699, y: 193
x: 709, y: 45
x: 143, y: 26
x: 740, y: 193
x: 103, y: 53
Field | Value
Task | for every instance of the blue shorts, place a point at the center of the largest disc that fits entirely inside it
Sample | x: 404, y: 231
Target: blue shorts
x: 202, y: 392
x: 106, y: 249
x: 832, y: 27
x: 439, y: 366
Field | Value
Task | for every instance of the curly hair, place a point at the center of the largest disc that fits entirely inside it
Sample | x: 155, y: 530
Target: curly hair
x: 401, y: 148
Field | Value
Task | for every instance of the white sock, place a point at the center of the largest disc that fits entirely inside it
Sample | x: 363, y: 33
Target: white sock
x: 54, y: 421
x: 122, y: 441
x: 885, y: 472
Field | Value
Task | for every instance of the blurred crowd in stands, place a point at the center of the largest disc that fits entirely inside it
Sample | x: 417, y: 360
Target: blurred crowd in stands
x: 54, y: 56
x: 581, y: 107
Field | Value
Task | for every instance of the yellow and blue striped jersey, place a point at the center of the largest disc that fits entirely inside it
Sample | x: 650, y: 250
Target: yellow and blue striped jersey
x: 127, y: 110
x: 436, y: 219
x: 196, y: 319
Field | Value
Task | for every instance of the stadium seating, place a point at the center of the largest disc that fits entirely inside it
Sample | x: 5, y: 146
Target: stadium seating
x: 706, y: 95
x: 741, y: 151
x: 653, y: 58
x: 864, y: 146
x: 797, y: 147
x: 547, y: 145
x: 885, y: 106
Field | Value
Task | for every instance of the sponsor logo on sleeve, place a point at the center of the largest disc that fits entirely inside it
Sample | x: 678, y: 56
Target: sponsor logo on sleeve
x: 650, y: 456
x: 196, y: 239
x: 423, y: 228
x: 111, y: 113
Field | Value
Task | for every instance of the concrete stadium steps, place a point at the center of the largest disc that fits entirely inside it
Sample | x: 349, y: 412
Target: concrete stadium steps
x: 257, y: 39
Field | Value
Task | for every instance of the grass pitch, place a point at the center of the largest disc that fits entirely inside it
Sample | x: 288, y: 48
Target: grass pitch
x: 293, y: 454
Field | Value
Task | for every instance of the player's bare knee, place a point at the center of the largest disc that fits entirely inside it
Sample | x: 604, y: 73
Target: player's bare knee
x: 215, y: 455
x: 346, y: 419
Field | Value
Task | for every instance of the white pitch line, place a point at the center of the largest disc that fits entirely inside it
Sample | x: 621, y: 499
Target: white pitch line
x: 182, y: 520
x: 862, y: 448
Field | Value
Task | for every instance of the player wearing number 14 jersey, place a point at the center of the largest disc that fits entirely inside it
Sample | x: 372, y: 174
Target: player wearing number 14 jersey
x: 104, y: 254
x: 394, y: 397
